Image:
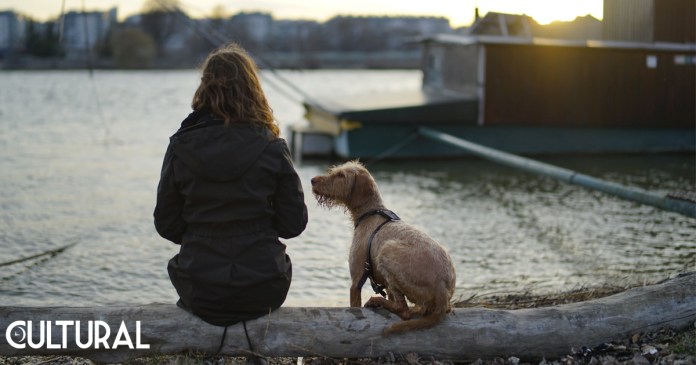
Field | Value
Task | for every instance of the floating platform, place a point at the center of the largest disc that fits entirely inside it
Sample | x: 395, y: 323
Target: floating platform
x: 522, y: 95
x: 369, y: 128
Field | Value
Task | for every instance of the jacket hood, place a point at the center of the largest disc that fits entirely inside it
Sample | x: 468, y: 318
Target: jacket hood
x: 218, y: 152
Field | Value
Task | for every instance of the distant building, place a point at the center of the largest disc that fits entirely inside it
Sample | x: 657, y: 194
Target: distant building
x: 251, y: 29
x: 133, y: 21
x: 502, y: 24
x: 581, y: 28
x: 12, y: 32
x: 520, y: 25
x: 295, y: 35
x: 178, y: 39
x: 357, y: 33
x: 642, y: 74
x: 84, y: 31
x: 399, y: 30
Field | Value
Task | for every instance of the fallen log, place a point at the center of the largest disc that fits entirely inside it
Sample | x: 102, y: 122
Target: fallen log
x: 466, y: 334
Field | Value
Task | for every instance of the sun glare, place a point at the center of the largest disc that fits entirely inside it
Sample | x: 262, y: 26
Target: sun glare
x: 545, y: 11
x: 460, y: 12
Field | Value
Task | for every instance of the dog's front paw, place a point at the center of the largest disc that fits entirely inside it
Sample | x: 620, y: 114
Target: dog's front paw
x: 375, y: 302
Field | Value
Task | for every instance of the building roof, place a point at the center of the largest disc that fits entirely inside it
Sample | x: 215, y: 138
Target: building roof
x: 457, y: 39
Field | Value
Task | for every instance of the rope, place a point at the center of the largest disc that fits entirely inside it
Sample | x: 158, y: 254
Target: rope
x: 393, y: 149
x: 215, y: 38
x: 47, y: 253
x: 62, y: 22
x: 568, y: 176
x: 90, y: 67
x: 90, y: 60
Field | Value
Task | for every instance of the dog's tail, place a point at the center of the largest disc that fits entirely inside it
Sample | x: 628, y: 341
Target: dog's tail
x: 433, y: 314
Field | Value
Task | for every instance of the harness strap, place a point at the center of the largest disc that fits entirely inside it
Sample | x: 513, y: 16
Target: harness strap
x: 386, y: 213
x: 368, y: 271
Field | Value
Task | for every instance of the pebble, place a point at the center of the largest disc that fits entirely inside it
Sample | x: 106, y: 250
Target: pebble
x: 640, y: 360
x: 648, y: 350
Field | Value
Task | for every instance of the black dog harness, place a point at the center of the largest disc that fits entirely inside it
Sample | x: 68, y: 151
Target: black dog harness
x: 368, y: 272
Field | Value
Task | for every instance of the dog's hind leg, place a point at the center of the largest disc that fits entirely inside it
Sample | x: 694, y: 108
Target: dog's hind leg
x: 418, y: 310
x: 433, y: 313
x: 396, y: 305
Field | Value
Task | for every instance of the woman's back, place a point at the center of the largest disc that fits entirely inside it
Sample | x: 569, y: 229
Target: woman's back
x: 227, y: 192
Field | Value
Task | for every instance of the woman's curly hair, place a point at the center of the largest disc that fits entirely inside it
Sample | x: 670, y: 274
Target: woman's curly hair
x: 230, y: 89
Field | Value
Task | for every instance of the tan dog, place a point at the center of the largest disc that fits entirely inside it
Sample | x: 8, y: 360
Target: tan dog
x: 405, y: 261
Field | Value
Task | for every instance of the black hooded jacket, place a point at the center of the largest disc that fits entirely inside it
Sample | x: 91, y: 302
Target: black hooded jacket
x: 226, y: 194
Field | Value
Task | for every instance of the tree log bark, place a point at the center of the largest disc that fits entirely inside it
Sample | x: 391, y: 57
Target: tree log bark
x: 466, y: 334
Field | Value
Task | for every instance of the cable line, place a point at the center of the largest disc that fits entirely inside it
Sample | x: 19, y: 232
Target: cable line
x: 46, y: 253
x: 216, y: 38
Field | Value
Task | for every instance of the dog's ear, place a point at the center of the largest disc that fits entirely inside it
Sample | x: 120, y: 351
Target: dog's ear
x: 364, y: 189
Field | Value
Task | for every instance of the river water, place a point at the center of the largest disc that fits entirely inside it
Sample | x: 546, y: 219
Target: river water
x: 80, y: 157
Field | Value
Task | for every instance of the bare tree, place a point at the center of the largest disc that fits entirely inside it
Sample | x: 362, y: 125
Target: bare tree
x: 132, y: 48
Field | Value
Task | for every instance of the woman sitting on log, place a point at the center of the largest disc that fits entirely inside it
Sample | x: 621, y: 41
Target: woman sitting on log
x: 227, y: 192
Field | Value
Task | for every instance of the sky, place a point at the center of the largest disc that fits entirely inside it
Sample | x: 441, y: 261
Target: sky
x: 459, y: 12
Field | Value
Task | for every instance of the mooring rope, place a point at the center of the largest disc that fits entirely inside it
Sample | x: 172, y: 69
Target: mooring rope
x: 216, y: 38
x: 630, y: 193
x: 61, y: 24
x: 46, y: 253
x: 392, y: 150
x: 90, y: 68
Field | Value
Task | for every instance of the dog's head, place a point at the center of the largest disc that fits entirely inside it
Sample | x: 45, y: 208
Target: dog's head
x: 349, y: 185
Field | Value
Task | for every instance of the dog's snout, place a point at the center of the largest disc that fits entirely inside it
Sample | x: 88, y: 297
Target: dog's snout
x: 315, y: 180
